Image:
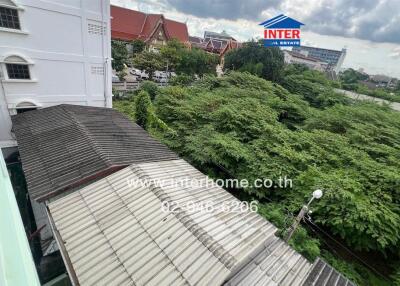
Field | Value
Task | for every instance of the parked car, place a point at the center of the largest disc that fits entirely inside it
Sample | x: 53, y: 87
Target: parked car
x: 134, y: 71
x: 115, y: 78
x: 144, y: 75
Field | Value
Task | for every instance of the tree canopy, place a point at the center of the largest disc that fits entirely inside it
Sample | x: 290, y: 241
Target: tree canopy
x: 256, y: 59
x: 350, y: 149
x: 119, y: 55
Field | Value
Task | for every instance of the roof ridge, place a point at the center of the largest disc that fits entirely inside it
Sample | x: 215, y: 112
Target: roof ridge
x: 96, y: 148
x: 144, y: 23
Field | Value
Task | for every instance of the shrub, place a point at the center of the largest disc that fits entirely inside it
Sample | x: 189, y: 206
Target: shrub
x: 150, y: 87
x: 182, y: 80
x: 143, y: 107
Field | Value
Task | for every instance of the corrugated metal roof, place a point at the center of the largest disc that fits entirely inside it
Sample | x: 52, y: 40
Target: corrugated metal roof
x: 64, y: 145
x: 322, y: 274
x: 114, y: 231
x: 118, y: 233
x: 276, y: 264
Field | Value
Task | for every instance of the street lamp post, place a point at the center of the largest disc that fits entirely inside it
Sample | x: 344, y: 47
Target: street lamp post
x: 317, y: 194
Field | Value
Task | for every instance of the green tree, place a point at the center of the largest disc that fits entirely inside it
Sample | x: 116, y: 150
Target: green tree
x: 171, y: 54
x: 253, y: 57
x: 250, y: 128
x: 150, y: 87
x: 193, y: 61
x: 351, y: 76
x: 149, y: 62
x: 119, y: 55
x: 143, y: 109
x: 137, y: 46
x: 197, y: 62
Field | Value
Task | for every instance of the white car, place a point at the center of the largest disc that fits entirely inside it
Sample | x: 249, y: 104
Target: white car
x: 134, y: 71
x: 115, y: 78
x: 144, y: 75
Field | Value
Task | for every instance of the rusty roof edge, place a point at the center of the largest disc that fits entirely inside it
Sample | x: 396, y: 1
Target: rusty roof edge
x: 63, y: 250
x: 81, y: 183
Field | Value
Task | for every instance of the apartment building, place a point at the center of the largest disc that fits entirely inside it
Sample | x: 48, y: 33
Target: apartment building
x: 333, y: 58
x: 52, y: 52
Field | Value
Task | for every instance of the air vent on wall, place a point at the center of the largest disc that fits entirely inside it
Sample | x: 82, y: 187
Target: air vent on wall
x: 98, y: 70
x: 95, y: 29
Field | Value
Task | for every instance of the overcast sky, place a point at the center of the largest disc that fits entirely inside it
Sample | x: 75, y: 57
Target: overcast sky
x: 369, y: 29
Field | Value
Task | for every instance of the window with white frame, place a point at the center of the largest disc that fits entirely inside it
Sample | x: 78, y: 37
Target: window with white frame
x: 17, y: 68
x: 9, y: 18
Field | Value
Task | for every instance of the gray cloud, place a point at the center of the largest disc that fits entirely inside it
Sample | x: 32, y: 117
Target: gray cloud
x: 224, y: 9
x: 374, y: 20
x: 395, y: 54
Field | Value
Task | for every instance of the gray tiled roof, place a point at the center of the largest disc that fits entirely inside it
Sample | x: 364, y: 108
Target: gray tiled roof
x: 65, y: 145
x: 322, y: 274
x: 115, y: 232
x: 276, y: 264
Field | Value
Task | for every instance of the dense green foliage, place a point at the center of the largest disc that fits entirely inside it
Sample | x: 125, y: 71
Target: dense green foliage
x: 351, y: 76
x: 150, y: 87
x: 148, y: 61
x: 256, y: 59
x: 253, y: 128
x: 186, y: 61
x: 256, y: 129
x: 119, y: 54
x: 352, y: 80
x: 197, y: 62
x: 143, y: 108
x: 176, y: 57
x: 313, y: 86
x: 396, y: 278
x: 182, y: 80
x: 300, y: 241
x: 138, y: 46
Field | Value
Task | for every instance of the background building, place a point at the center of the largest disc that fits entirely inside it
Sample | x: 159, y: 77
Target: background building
x: 297, y: 58
x: 334, y: 58
x: 52, y: 53
x: 216, y: 43
x: 153, y: 29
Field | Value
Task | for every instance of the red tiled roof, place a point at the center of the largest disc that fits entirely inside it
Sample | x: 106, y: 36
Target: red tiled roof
x: 130, y: 24
x: 126, y: 24
x: 177, y: 30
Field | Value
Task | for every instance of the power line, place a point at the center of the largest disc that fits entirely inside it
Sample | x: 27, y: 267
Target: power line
x: 306, y: 219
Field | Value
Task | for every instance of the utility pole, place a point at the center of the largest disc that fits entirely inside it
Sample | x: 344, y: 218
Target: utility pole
x: 317, y: 194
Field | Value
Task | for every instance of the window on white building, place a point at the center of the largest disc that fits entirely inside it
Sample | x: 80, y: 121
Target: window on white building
x: 17, y: 68
x: 9, y: 18
x: 18, y: 71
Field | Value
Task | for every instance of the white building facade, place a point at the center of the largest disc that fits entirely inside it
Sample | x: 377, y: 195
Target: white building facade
x: 52, y: 52
x: 297, y: 58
